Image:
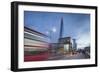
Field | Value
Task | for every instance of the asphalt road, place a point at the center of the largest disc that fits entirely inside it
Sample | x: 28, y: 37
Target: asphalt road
x: 75, y: 56
x: 68, y: 57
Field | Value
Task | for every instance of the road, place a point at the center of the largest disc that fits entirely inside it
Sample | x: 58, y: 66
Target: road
x: 75, y: 56
x: 46, y: 56
x: 68, y: 57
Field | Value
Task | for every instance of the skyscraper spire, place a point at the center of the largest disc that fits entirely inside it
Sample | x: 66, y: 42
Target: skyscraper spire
x: 61, y: 28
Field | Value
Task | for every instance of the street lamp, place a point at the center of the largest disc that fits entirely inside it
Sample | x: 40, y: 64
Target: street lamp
x: 54, y: 29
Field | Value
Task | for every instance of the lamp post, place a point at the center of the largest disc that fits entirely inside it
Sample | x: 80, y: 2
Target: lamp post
x: 50, y: 32
x: 53, y: 30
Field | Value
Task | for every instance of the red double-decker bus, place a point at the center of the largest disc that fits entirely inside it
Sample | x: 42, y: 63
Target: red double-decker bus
x: 36, y: 45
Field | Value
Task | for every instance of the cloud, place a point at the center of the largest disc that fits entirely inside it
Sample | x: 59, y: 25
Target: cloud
x: 83, y: 39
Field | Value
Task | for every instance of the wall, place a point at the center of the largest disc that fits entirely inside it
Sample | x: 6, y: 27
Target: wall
x: 5, y: 35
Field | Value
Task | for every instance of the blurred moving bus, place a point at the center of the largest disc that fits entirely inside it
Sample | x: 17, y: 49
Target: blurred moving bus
x: 36, y: 45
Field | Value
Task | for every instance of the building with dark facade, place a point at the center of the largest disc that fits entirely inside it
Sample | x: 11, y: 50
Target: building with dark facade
x: 74, y: 44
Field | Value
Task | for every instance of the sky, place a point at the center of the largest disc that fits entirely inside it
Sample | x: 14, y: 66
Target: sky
x: 75, y: 25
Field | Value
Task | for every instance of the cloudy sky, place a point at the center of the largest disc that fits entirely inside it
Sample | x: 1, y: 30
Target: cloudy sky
x: 75, y: 25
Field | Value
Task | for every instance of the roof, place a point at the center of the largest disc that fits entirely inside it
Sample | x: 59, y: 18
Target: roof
x: 34, y: 31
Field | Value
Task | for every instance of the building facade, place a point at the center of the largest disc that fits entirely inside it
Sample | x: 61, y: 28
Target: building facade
x: 65, y: 44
